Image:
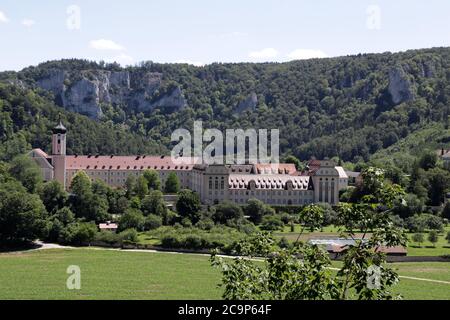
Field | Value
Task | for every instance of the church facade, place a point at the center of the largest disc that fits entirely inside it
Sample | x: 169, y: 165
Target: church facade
x: 274, y: 184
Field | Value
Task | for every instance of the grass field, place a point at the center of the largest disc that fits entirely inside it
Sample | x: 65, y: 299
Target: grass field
x: 109, y: 274
x: 442, y: 247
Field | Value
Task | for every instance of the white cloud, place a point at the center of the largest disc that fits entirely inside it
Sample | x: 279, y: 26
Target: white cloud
x: 266, y: 53
x: 3, y: 17
x: 301, y: 54
x: 122, y: 59
x: 28, y: 22
x: 103, y: 44
x: 194, y: 63
x: 235, y: 34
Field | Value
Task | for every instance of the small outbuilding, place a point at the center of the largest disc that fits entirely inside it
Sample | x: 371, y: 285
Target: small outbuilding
x: 336, y: 247
x: 108, y: 226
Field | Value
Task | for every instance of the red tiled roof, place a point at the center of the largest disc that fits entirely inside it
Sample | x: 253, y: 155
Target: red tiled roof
x: 335, y: 248
x: 314, y: 163
x: 276, y: 168
x: 108, y: 226
x: 313, y: 166
x: 127, y: 163
x: 390, y: 250
x: 241, y: 168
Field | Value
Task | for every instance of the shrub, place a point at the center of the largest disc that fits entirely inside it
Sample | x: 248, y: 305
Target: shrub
x: 83, y: 233
x: 129, y: 236
x: 256, y: 210
x: 398, y: 221
x: 433, y: 237
x: 132, y: 219
x: 414, y: 224
x: 172, y: 183
x: 152, y: 222
x: 23, y: 217
x: 434, y: 222
x: 154, y: 204
x: 284, y: 243
x: 286, y: 218
x: 419, y: 223
x: 195, y: 242
x: 186, y: 222
x: 413, y: 206
x: 205, y: 224
x: 189, y: 205
x: 169, y: 217
x: 446, y: 211
x: 223, y: 238
x: 329, y: 215
x: 226, y: 211
x: 272, y: 223
x: 108, y: 237
x: 171, y: 241
x: 418, y: 238
x: 247, y: 228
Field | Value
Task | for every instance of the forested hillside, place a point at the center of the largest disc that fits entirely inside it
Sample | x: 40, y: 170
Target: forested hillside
x: 351, y: 107
x: 389, y: 111
x: 26, y: 119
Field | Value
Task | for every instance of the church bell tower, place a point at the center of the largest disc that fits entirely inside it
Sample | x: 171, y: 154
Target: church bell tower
x: 59, y: 153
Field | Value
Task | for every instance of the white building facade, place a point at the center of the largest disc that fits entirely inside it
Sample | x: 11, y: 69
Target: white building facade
x: 274, y: 184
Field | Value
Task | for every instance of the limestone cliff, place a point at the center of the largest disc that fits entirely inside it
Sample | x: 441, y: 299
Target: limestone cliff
x: 400, y: 87
x: 85, y: 92
x: 249, y: 103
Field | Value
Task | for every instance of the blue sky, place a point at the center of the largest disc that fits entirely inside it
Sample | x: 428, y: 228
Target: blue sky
x: 201, y: 31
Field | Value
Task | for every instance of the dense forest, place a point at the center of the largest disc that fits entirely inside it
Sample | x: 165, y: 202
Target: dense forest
x: 348, y: 107
x: 389, y: 111
x: 26, y: 119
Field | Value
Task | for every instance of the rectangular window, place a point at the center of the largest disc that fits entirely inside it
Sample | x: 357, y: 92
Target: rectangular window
x: 320, y: 191
x: 332, y: 192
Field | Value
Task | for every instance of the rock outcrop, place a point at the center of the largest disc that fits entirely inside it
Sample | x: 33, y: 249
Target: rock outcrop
x: 400, y: 88
x: 428, y: 69
x: 173, y: 100
x: 86, y: 92
x: 249, y: 103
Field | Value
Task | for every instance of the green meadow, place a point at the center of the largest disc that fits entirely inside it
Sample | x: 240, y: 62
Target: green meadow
x: 441, y: 248
x: 112, y: 274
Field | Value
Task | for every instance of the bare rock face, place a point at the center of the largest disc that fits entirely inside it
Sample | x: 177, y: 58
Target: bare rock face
x: 173, y: 100
x: 84, y: 97
x: 53, y: 81
x: 400, y: 87
x: 85, y: 92
x: 145, y: 87
x: 248, y: 103
x: 119, y: 79
x: 428, y: 69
